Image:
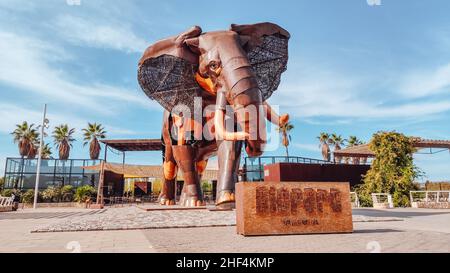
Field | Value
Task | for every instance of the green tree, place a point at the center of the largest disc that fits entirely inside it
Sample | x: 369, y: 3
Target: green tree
x: 392, y: 171
x: 63, y: 140
x: 92, y: 134
x: 285, y: 130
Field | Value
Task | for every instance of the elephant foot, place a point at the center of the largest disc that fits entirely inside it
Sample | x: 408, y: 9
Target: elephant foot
x: 167, y: 202
x: 226, y: 199
x: 191, y: 201
x: 190, y: 197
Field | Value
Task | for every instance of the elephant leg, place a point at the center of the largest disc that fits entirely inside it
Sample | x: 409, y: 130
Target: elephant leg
x: 229, y: 154
x: 167, y: 196
x: 191, y: 195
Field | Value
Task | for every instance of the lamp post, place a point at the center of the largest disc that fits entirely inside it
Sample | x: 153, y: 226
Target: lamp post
x: 44, y: 125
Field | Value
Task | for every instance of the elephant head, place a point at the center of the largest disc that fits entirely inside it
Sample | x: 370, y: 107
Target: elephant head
x: 243, y: 65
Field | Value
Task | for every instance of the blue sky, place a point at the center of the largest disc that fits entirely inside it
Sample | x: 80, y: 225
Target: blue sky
x: 354, y: 69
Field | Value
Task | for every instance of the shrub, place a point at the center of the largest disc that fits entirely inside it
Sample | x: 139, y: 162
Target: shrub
x: 7, y: 193
x: 52, y: 194
x: 28, y: 197
x: 2, y: 183
x: 10, y: 192
x: 207, y: 187
x: 67, y: 193
x: 84, y: 193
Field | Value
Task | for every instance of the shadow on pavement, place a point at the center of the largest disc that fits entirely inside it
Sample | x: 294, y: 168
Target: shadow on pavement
x: 400, y: 214
x: 363, y: 231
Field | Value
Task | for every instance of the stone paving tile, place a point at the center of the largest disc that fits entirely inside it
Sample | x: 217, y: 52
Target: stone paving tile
x: 133, y: 218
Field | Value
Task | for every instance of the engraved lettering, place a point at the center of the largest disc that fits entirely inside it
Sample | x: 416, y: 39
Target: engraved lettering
x: 335, y: 200
x: 321, y: 197
x: 309, y: 200
x: 262, y: 200
x: 273, y: 200
x: 283, y: 201
x: 296, y: 200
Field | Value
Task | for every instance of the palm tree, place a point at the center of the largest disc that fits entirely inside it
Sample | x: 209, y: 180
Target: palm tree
x: 352, y: 142
x: 46, y: 152
x: 63, y: 140
x: 25, y: 136
x: 337, y: 141
x: 324, y: 139
x: 92, y: 134
x: 284, y: 131
x: 32, y: 152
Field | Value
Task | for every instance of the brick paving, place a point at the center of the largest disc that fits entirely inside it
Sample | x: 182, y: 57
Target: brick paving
x: 133, y: 218
x: 399, y: 230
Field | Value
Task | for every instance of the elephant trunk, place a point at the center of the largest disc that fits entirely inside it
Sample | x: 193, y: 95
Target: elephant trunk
x: 243, y: 94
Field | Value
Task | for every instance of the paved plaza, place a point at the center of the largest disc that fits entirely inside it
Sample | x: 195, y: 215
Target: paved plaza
x: 130, y: 229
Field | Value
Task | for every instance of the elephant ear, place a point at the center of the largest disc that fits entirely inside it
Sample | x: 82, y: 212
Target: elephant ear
x: 167, y: 73
x: 266, y: 45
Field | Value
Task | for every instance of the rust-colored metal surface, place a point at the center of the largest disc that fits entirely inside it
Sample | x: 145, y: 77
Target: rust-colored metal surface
x: 293, y: 208
x: 315, y: 172
x: 236, y: 68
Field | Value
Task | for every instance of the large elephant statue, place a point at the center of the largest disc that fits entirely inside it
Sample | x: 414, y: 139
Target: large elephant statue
x: 234, y: 69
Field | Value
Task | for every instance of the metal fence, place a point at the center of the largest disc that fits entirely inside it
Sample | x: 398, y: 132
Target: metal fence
x: 430, y: 196
x: 254, y: 166
x: 20, y: 173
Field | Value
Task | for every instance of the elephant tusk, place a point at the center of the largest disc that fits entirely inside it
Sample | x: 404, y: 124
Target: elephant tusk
x: 222, y: 133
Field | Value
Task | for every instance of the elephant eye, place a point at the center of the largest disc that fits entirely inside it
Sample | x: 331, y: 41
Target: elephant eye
x: 213, y: 66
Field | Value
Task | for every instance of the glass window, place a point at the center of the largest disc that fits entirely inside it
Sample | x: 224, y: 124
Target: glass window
x: 48, y: 166
x: 63, y: 166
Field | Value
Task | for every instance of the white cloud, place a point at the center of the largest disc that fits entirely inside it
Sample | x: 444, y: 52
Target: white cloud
x: 426, y: 82
x: 13, y: 114
x: 31, y: 64
x: 326, y: 94
x: 14, y: 5
x: 92, y: 33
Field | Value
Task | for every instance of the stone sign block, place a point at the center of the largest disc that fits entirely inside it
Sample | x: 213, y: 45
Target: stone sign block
x: 293, y: 208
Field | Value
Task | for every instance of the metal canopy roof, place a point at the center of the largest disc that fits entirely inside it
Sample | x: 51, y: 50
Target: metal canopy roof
x: 419, y: 143
x: 134, y: 145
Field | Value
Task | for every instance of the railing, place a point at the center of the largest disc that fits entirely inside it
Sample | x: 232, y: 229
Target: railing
x: 6, y: 201
x: 254, y: 166
x: 354, y: 199
x: 382, y: 201
x: 430, y: 196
